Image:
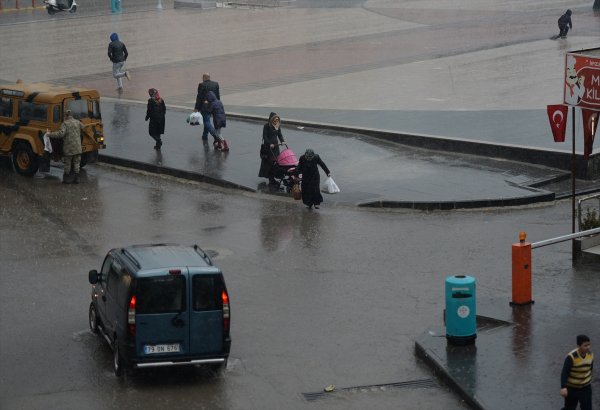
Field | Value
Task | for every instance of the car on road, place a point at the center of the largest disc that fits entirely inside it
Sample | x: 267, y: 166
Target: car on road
x: 161, y: 305
x: 27, y: 110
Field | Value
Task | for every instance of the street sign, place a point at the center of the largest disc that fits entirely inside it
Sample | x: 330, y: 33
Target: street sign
x: 582, y: 81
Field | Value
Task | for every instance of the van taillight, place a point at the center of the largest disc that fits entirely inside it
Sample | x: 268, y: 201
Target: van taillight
x: 225, y: 299
x: 131, y: 316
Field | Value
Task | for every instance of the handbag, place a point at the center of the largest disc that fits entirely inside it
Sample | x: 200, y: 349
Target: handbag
x: 264, y: 154
x: 296, y: 191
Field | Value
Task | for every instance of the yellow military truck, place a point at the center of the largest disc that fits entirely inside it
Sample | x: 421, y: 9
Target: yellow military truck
x: 27, y: 110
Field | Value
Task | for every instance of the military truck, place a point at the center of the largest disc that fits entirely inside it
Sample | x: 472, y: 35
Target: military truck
x: 27, y: 110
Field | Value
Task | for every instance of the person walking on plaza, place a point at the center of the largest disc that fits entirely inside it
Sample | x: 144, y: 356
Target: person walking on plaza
x: 269, y: 149
x: 70, y: 132
x: 203, y: 105
x: 155, y: 112
x: 576, y: 376
x: 307, y: 166
x: 117, y: 52
x: 564, y: 23
x: 219, y: 121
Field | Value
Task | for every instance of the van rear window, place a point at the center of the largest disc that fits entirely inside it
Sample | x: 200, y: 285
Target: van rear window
x: 161, y: 294
x: 207, y: 291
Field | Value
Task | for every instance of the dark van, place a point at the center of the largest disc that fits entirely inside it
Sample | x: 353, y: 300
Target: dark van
x: 161, y: 305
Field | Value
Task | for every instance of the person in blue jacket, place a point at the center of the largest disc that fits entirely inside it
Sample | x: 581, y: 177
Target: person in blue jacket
x: 217, y: 111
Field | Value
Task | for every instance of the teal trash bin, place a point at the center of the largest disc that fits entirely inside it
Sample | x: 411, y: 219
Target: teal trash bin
x: 115, y: 6
x: 460, y: 314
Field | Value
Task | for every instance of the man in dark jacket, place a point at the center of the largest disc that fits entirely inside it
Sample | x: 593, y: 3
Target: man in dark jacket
x: 117, y: 52
x: 203, y: 105
x: 564, y: 23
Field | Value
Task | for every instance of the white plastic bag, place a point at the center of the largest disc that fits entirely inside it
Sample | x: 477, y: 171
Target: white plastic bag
x: 329, y: 186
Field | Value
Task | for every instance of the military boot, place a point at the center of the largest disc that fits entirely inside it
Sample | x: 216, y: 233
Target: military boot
x: 76, y: 178
x: 66, y: 178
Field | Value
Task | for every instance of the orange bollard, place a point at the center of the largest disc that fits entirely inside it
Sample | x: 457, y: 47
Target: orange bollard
x: 521, y: 272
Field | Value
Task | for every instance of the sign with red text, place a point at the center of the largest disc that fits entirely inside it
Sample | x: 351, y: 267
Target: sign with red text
x: 582, y: 81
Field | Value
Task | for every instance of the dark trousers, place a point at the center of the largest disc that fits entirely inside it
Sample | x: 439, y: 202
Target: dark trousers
x: 564, y: 29
x: 581, y: 396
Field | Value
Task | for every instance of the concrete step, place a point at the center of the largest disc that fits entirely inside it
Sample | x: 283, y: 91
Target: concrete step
x: 591, y: 255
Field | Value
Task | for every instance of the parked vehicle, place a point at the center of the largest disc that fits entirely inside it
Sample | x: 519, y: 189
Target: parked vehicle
x: 161, y: 305
x: 55, y: 6
x: 27, y: 110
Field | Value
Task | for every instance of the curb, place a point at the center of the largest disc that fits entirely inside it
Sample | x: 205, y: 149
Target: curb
x: 439, y: 370
x: 469, y: 204
x: 159, y: 169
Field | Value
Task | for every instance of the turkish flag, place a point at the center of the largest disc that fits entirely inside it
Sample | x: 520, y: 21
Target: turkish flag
x: 557, y: 114
x: 590, y: 125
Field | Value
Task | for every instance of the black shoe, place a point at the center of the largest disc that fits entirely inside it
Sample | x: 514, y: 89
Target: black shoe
x: 76, y: 179
x: 66, y: 178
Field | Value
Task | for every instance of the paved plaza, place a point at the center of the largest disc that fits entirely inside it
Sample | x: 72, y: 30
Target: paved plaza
x: 474, y: 70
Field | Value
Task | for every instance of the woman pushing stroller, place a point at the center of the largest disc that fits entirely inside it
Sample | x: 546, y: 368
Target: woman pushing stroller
x: 269, y: 149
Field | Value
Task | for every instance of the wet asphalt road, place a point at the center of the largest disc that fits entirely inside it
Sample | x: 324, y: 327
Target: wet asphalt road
x: 336, y: 296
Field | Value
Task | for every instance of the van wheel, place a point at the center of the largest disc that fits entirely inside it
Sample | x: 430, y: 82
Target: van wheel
x: 24, y: 159
x: 93, y: 319
x: 117, y: 361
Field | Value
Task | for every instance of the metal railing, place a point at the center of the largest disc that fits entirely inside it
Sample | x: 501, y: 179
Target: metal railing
x: 580, y: 211
x: 7, y: 5
x: 564, y: 238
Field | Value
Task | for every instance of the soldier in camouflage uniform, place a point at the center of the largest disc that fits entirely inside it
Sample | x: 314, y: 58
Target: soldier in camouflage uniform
x: 70, y: 132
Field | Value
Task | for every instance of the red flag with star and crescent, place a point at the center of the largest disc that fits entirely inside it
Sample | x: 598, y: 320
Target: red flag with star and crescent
x: 557, y: 114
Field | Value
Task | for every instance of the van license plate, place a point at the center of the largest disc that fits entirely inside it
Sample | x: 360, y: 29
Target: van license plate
x: 152, y: 349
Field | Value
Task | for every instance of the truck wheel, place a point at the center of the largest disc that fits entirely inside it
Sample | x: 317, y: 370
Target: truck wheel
x: 24, y: 159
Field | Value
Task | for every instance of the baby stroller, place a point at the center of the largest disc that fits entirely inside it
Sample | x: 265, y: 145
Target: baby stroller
x: 284, y: 167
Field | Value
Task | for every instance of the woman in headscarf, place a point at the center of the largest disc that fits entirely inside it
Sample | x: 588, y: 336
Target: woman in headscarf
x: 307, y: 166
x: 270, y: 146
x: 155, y: 112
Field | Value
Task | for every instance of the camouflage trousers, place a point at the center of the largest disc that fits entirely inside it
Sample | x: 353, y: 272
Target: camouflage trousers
x: 71, y: 163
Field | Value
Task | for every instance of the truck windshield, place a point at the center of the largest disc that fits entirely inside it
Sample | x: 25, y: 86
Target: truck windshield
x: 79, y: 108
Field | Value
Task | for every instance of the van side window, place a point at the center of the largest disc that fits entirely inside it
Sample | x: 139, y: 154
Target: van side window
x: 5, y: 107
x: 33, y: 111
x: 113, y: 279
x: 106, y: 267
x: 56, y: 117
x: 207, y: 291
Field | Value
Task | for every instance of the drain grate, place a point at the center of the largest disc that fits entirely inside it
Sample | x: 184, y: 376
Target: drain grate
x: 414, y: 384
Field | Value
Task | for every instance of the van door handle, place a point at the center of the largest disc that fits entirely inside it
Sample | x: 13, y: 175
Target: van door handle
x: 178, y: 322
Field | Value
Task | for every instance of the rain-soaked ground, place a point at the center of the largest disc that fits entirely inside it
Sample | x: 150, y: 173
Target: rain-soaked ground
x: 330, y: 297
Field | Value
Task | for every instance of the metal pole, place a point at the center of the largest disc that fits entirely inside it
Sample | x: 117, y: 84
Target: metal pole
x: 573, y: 168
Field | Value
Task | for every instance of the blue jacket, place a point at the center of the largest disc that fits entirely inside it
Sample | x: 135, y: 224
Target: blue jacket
x: 217, y: 110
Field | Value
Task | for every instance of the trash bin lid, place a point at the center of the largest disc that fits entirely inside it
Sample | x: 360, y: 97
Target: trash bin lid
x: 460, y: 280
